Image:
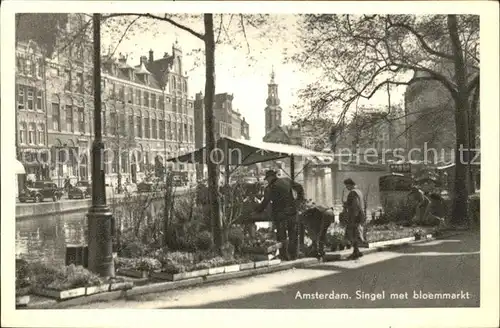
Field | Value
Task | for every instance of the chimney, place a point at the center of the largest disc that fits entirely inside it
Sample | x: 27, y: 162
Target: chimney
x: 144, y: 59
x: 151, y: 58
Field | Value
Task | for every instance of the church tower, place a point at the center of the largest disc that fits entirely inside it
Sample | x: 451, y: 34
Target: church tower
x: 273, y: 109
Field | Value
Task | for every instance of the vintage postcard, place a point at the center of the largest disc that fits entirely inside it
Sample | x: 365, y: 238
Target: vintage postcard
x: 290, y: 156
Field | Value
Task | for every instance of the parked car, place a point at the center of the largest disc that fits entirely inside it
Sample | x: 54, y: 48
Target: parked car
x: 39, y: 191
x: 82, y: 190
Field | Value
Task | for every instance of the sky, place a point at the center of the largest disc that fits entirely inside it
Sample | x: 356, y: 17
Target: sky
x: 243, y: 72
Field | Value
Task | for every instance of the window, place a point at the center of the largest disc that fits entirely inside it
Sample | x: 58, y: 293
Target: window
x: 139, y: 126
x: 191, y: 134
x: 30, y: 99
x: 138, y: 97
x: 174, y: 131
x: 155, y: 127
x: 147, y: 130
x: 20, y: 65
x: 161, y: 102
x: 22, y: 133
x: 79, y: 52
x: 67, y: 80
x: 130, y: 96
x: 121, y: 93
x: 123, y: 125
x: 56, y: 117
x: 81, y: 120
x: 162, y: 129
x: 169, y: 131
x: 41, y: 134
x: 20, y: 97
x: 124, y: 159
x: 38, y: 68
x: 185, y: 131
x: 69, y: 118
x: 146, y: 99
x: 29, y: 67
x: 113, y: 91
x: 54, y: 71
x: 153, y: 100
x: 104, y: 120
x: 174, y: 84
x: 39, y: 103
x: 112, y: 122
x: 31, y: 134
x: 79, y: 82
x: 131, y: 124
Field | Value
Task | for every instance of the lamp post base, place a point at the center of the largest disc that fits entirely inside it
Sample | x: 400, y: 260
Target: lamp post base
x: 100, y: 230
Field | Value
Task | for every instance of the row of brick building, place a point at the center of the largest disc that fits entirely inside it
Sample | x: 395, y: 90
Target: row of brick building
x: 146, y: 111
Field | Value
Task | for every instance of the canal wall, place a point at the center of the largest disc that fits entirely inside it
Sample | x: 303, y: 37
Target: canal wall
x: 31, y: 210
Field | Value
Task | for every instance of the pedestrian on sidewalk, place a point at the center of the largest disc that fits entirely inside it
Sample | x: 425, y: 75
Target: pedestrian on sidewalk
x: 279, y: 192
x: 356, y: 218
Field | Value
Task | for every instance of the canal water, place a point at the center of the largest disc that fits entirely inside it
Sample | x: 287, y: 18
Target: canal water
x: 45, y: 238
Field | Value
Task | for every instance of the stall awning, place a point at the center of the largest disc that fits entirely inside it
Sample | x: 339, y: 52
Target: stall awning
x: 246, y: 152
x: 19, y: 167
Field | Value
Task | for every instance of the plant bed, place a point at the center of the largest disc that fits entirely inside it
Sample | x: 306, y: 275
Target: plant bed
x: 217, y: 270
x: 137, y: 267
x: 267, y: 248
x: 180, y: 276
x: 97, y: 289
x: 64, y: 282
x: 22, y: 300
x: 390, y: 232
x: 60, y: 294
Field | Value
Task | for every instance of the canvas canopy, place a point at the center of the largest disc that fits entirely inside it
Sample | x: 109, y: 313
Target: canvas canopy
x: 19, y: 167
x: 245, y: 152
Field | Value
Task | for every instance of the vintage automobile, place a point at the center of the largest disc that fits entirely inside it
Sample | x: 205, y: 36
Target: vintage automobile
x: 81, y: 190
x: 150, y: 186
x: 39, y: 191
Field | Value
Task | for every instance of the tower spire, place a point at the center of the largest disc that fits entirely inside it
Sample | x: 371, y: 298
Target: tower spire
x: 272, y: 74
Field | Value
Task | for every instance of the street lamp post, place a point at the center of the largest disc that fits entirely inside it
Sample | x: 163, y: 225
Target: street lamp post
x: 100, y: 219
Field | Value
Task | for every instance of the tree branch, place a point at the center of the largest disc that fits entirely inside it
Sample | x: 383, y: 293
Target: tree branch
x: 473, y: 83
x: 164, y: 18
x: 422, y: 41
x: 123, y: 36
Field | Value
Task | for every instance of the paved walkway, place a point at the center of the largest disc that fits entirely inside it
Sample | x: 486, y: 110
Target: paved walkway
x: 442, y: 273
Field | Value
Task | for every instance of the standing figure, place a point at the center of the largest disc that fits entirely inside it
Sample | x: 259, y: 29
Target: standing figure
x: 279, y: 192
x: 356, y: 218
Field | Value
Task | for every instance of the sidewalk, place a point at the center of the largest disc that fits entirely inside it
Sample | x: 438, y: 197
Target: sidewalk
x: 436, y: 273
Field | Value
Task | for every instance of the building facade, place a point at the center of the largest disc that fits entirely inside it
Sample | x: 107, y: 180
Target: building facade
x: 228, y: 122
x: 146, y: 111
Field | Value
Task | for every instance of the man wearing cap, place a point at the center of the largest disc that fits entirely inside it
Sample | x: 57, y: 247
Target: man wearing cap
x: 355, y: 217
x: 279, y: 192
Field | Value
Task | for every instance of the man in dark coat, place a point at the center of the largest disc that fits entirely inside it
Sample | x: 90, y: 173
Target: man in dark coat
x: 279, y: 192
x: 355, y: 217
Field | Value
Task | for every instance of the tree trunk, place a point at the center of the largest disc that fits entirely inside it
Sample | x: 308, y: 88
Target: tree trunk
x: 209, y: 127
x: 460, y: 197
x: 472, y: 139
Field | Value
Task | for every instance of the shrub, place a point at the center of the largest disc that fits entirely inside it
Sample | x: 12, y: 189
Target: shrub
x: 133, y: 249
x: 23, y: 274
x: 148, y: 264
x: 236, y: 236
x: 64, y: 277
x: 204, y: 241
x: 227, y: 251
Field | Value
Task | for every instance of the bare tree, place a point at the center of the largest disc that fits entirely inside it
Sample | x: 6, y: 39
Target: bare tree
x: 359, y: 55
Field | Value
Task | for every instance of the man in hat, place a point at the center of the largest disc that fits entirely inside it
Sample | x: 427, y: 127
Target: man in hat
x: 355, y: 217
x: 279, y: 192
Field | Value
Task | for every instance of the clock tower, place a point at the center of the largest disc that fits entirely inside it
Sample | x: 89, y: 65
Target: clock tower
x: 273, y: 109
